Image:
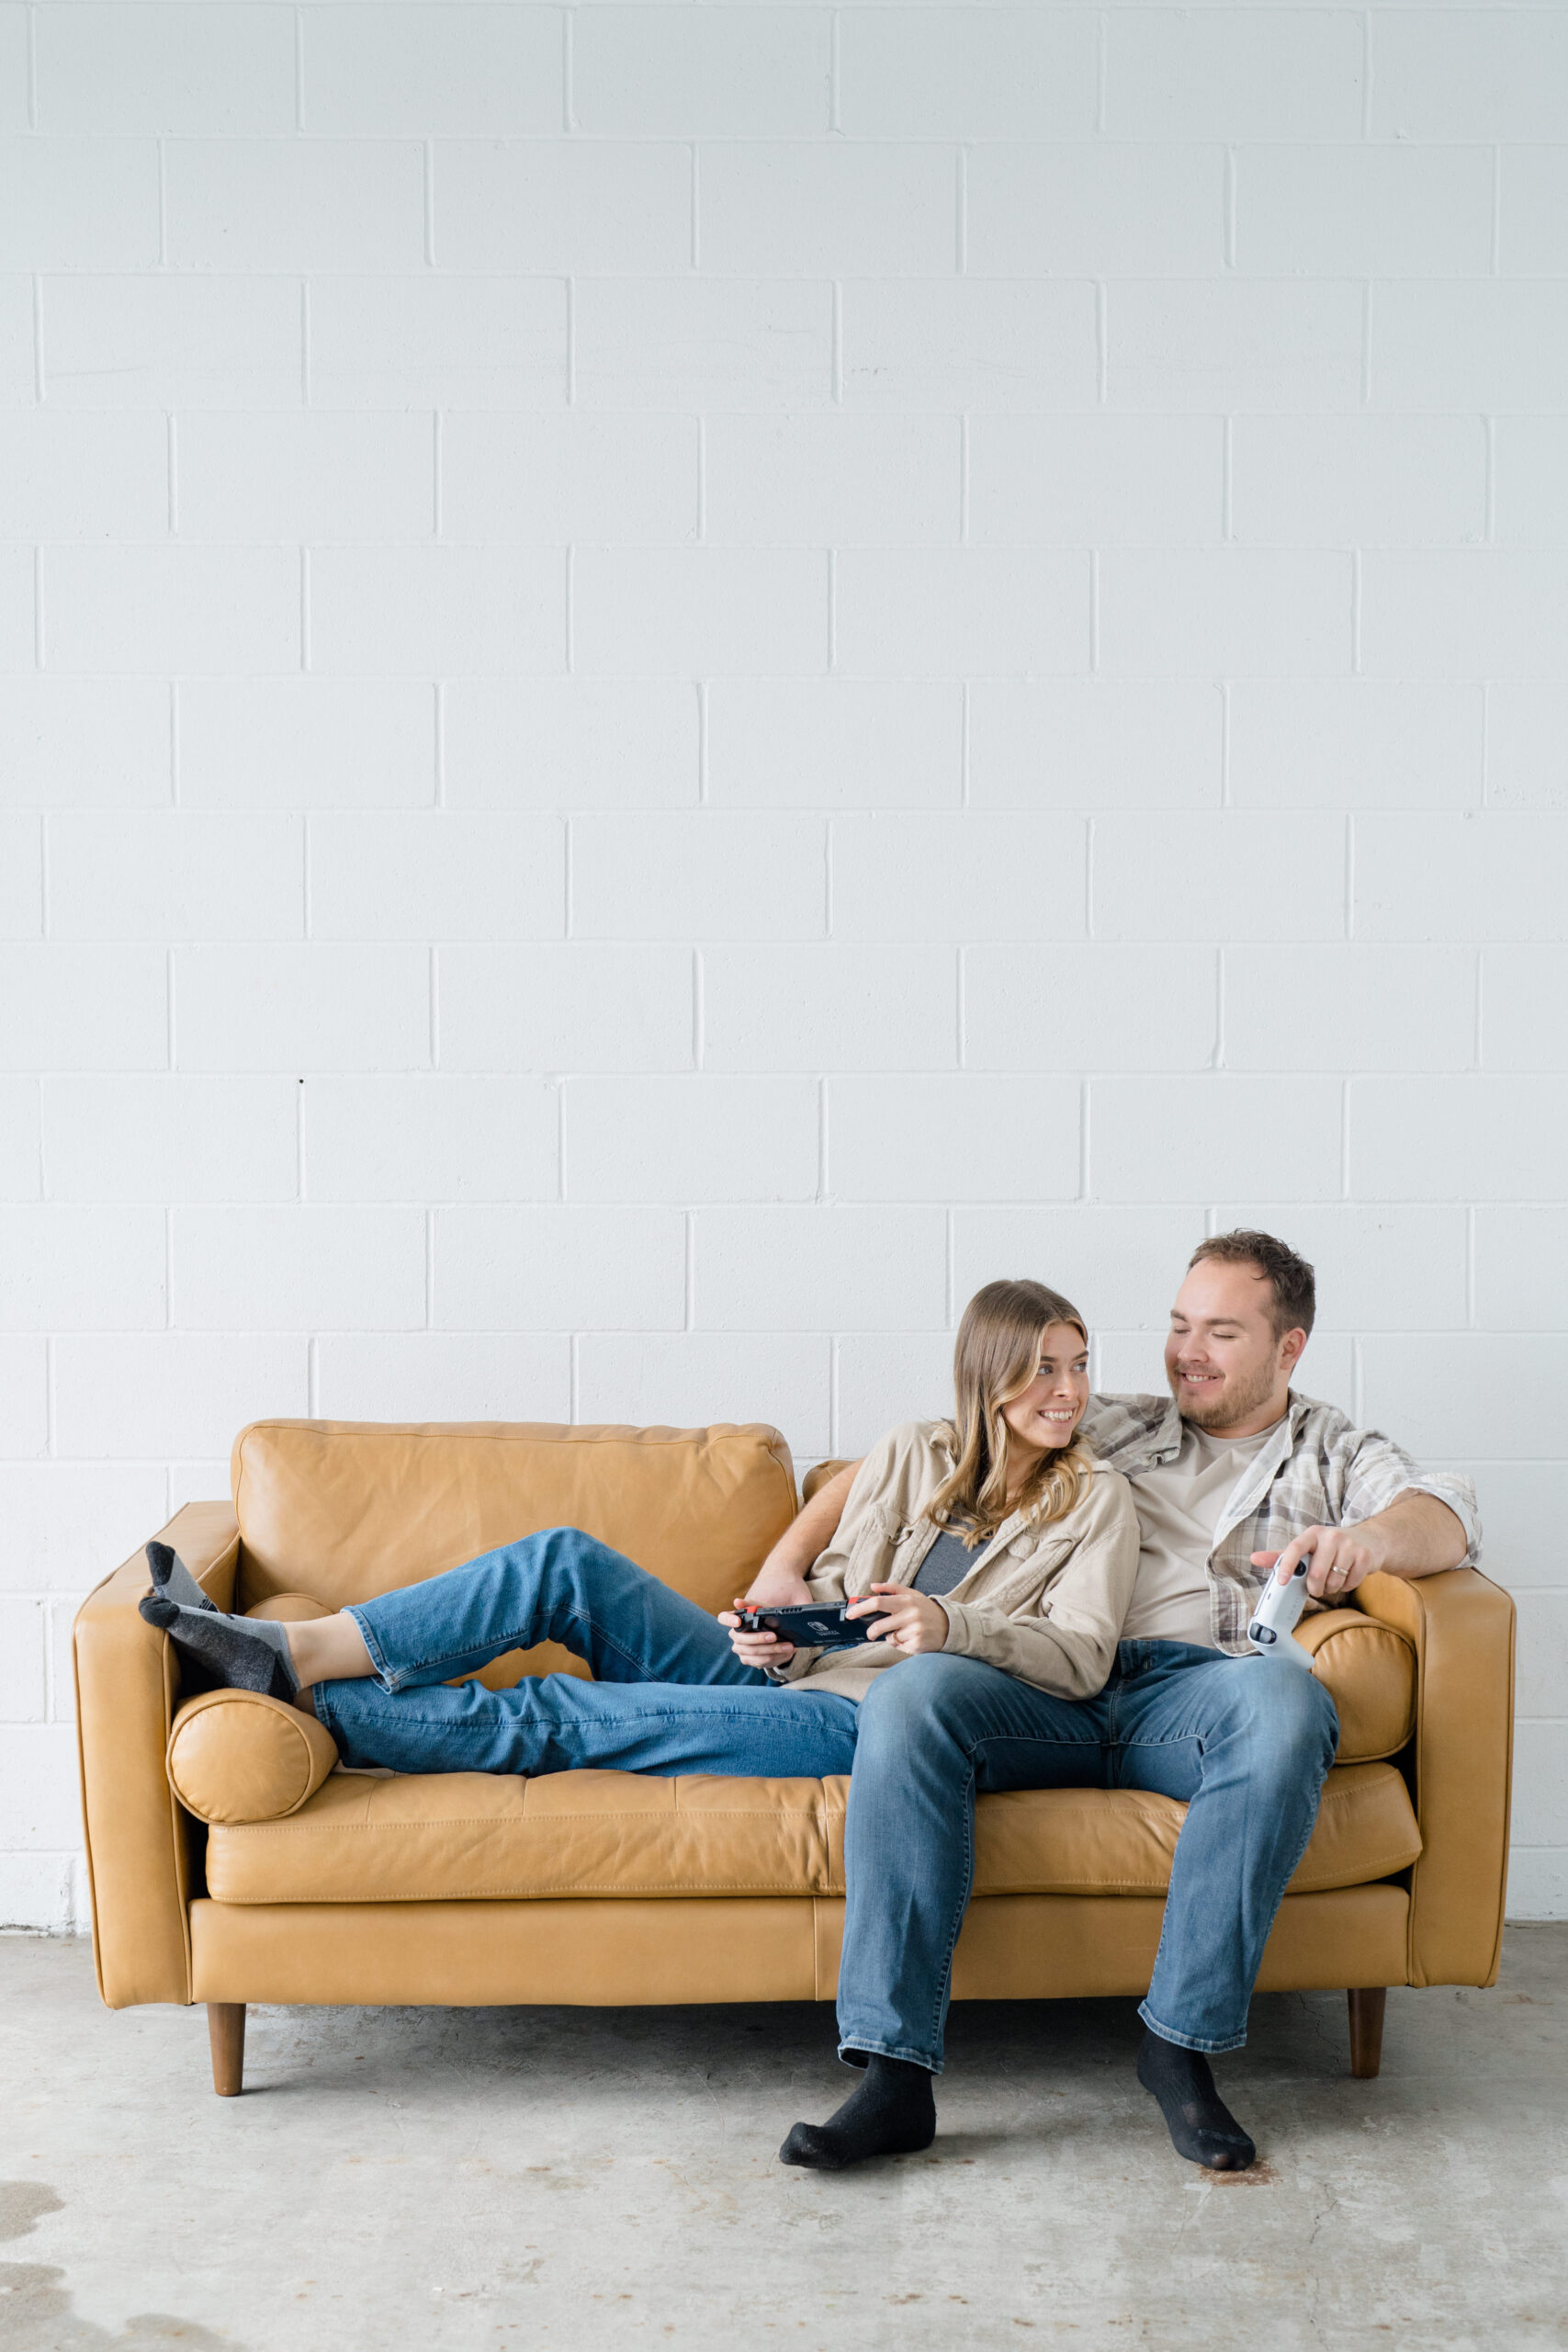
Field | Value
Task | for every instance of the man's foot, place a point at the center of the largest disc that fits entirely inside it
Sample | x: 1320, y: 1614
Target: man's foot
x: 240, y: 1652
x: 892, y: 2113
x: 172, y: 1580
x: 1202, y: 2127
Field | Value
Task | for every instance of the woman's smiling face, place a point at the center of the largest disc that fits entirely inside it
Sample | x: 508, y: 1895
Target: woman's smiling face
x: 1044, y: 1416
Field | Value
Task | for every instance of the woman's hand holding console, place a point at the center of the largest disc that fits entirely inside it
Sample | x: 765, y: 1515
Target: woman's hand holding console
x: 912, y: 1621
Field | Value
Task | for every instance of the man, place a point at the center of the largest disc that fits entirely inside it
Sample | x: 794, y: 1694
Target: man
x: 1235, y: 1476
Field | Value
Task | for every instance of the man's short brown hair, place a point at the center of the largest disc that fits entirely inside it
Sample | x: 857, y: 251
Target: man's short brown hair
x: 1289, y: 1277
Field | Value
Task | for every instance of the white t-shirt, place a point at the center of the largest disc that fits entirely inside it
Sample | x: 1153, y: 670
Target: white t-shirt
x: 1179, y: 1506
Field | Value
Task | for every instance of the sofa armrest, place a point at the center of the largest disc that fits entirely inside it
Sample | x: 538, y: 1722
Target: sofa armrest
x: 1460, y: 1626
x: 138, y: 1839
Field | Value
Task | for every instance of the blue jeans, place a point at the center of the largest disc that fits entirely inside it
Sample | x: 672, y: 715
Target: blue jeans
x: 670, y: 1695
x: 1245, y: 1741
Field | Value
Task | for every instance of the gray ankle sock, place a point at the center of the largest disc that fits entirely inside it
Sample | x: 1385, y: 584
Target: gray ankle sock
x: 241, y: 1653
x: 172, y: 1580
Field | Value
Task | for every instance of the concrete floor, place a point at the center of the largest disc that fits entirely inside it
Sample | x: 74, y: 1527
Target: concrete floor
x: 448, y: 2179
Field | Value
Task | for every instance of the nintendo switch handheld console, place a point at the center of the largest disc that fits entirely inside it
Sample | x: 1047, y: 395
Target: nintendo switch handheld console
x: 1277, y: 1614
x: 811, y: 1625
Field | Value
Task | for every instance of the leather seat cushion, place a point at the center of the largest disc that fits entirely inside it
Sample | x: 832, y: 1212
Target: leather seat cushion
x: 427, y: 1837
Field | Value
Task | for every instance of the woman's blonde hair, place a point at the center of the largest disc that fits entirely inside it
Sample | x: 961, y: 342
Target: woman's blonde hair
x: 997, y: 1356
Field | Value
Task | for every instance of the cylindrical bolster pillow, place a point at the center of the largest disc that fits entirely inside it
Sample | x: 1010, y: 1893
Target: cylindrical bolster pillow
x: 1369, y: 1671
x: 236, y: 1756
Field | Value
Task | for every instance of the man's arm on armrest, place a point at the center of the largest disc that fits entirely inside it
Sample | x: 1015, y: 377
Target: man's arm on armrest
x: 781, y: 1580
x: 1415, y: 1535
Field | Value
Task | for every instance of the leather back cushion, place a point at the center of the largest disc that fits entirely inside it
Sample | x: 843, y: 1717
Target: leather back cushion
x: 346, y: 1510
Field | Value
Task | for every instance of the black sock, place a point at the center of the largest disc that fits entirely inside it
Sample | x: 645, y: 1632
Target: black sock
x: 891, y: 2113
x: 172, y: 1580
x: 1202, y: 2127
x: 240, y: 1652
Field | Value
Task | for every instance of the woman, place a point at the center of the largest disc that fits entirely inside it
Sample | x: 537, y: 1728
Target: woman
x: 995, y: 1536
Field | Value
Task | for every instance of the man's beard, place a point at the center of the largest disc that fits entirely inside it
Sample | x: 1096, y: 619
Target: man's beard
x: 1230, y: 1404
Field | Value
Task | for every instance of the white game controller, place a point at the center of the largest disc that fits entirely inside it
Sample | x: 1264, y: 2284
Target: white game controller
x: 1278, y: 1613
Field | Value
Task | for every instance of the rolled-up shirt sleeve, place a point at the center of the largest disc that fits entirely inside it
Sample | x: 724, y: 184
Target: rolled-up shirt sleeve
x: 1379, y: 1472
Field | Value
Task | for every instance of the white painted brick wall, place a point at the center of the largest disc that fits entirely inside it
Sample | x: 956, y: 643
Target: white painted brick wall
x: 677, y: 680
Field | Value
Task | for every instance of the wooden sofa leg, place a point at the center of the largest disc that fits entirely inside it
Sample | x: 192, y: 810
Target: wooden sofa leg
x: 1367, y: 2005
x: 226, y: 2031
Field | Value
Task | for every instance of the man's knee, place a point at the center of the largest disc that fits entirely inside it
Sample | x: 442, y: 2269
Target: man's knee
x: 1287, y: 1717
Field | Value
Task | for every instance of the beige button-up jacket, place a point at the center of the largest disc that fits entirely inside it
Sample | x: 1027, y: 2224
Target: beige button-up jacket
x: 1045, y: 1603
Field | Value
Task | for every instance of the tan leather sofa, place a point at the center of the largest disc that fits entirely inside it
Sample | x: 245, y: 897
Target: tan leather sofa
x: 229, y: 1862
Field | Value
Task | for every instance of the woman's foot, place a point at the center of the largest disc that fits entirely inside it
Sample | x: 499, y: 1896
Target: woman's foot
x: 1202, y: 2127
x: 892, y: 2113
x: 239, y: 1653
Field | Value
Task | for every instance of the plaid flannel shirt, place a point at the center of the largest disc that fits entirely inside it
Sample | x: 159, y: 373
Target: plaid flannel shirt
x: 1317, y: 1470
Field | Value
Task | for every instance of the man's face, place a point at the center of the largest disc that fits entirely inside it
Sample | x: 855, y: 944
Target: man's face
x: 1226, y: 1369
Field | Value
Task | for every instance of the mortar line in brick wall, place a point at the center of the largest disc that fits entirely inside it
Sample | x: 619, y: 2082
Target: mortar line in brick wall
x: 568, y: 582
x: 1496, y: 256
x: 429, y: 167
x: 37, y: 338
x: 432, y: 1003
x: 699, y: 1010
x: 1229, y: 200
